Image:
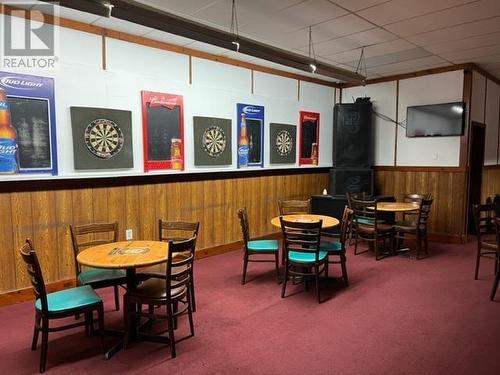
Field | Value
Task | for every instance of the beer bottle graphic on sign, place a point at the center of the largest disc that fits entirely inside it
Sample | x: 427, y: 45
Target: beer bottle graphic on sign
x: 8, y: 138
x: 243, y: 143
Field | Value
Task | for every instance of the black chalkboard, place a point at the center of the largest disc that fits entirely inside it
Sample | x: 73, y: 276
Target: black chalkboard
x: 309, y: 132
x: 30, y: 118
x: 163, y: 125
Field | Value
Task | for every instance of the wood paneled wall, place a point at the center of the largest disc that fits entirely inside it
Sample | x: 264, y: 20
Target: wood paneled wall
x: 491, y: 182
x: 447, y: 188
x: 44, y: 215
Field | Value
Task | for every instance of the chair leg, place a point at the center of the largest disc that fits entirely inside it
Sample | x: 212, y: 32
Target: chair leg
x: 190, y: 315
x: 100, y: 318
x: 126, y: 321
x: 176, y: 308
x: 117, y: 298
x: 495, y: 287
x: 171, y: 330
x: 285, y: 279
x: 419, y: 243
x: 375, y: 248
x: 36, y: 331
x: 245, y: 264
x: 478, y: 256
x: 316, y: 277
x: 191, y: 291
x: 45, y: 344
x: 276, y: 262
x: 356, y: 244
x: 326, y: 266
x: 344, y: 269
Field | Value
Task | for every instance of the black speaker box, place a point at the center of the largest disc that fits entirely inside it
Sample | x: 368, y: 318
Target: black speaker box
x: 353, y: 135
x: 351, y: 180
x: 330, y: 206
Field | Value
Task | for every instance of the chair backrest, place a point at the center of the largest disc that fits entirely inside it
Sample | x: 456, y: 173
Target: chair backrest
x: 179, y: 263
x: 497, y: 230
x: 414, y: 198
x: 360, y: 196
x: 483, y: 219
x: 88, y: 235
x: 365, y: 212
x: 292, y: 207
x: 35, y: 273
x: 245, y: 229
x: 177, y: 230
x: 424, y: 213
x: 345, y: 224
x: 301, y: 237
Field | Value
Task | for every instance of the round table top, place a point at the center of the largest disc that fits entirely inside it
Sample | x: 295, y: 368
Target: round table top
x: 328, y: 221
x: 124, y: 254
x: 397, y: 206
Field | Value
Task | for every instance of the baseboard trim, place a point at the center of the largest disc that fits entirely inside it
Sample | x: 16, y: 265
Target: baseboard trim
x: 26, y: 294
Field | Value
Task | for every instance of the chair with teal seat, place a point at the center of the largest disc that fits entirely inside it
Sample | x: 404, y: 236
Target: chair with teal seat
x: 65, y: 303
x: 303, y: 256
x: 88, y: 235
x: 338, y: 248
x: 256, y: 248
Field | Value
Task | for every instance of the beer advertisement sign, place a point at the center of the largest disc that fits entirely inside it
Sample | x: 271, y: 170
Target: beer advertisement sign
x: 27, y: 124
x: 282, y: 143
x: 309, y: 138
x: 212, y: 141
x: 163, y: 130
x: 250, y: 135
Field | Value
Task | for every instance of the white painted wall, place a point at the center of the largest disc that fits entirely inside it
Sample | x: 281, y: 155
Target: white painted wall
x: 383, y: 97
x: 492, y: 122
x: 215, y: 90
x: 478, y: 97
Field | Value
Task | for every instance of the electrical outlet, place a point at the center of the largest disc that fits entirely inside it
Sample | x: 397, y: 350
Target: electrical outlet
x: 128, y: 234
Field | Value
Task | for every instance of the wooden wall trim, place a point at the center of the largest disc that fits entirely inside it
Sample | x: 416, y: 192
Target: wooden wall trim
x: 107, y: 182
x: 495, y: 166
x: 467, y: 99
x: 419, y: 73
x: 80, y: 26
x: 418, y: 169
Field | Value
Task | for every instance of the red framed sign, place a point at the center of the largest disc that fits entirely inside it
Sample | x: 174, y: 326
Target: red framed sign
x: 309, y: 138
x: 163, y: 130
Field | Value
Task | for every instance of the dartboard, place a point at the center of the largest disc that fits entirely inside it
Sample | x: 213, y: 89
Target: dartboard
x: 284, y: 143
x: 103, y: 138
x: 214, y: 141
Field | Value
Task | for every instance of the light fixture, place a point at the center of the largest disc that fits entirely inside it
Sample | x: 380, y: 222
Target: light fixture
x: 110, y: 7
x: 313, y: 68
x: 234, y: 26
x: 138, y: 13
x: 312, y: 65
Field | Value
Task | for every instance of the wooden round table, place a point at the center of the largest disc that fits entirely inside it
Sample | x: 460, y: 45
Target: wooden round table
x: 396, y: 206
x: 328, y: 221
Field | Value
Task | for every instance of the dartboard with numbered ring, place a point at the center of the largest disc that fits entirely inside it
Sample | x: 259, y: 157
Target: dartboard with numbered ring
x: 214, y: 141
x: 284, y: 143
x: 103, y: 138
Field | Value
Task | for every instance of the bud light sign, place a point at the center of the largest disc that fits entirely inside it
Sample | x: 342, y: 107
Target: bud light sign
x: 27, y: 124
x: 250, y: 120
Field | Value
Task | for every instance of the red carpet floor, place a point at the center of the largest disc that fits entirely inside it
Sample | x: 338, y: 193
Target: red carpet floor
x: 398, y: 316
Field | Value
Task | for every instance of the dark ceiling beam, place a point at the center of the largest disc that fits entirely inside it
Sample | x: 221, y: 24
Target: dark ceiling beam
x: 159, y: 20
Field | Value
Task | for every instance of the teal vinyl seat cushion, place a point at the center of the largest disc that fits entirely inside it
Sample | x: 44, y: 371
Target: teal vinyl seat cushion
x: 300, y: 257
x: 94, y: 275
x: 70, y: 299
x: 262, y: 245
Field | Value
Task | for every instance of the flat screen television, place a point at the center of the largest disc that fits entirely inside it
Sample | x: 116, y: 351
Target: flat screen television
x: 435, y: 120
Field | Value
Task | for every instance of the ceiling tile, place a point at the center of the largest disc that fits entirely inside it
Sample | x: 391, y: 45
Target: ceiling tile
x: 354, y: 5
x: 353, y: 41
x: 445, y: 18
x: 398, y: 10
x: 464, y: 44
x: 179, y: 6
x: 374, y: 50
x: 123, y: 26
x: 66, y: 13
x: 395, y: 57
x: 457, y: 32
x: 205, y: 47
x: 410, y: 66
x: 311, y: 12
x: 471, y: 55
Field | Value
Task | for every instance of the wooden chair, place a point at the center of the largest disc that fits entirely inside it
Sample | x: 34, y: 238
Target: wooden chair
x: 338, y: 248
x: 303, y: 256
x: 367, y: 226
x: 292, y: 207
x: 484, y: 215
x: 180, y: 231
x: 256, y: 247
x: 417, y: 228
x: 170, y: 290
x: 88, y: 235
x: 57, y: 305
x: 497, y: 276
x: 411, y: 216
x: 349, y: 196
